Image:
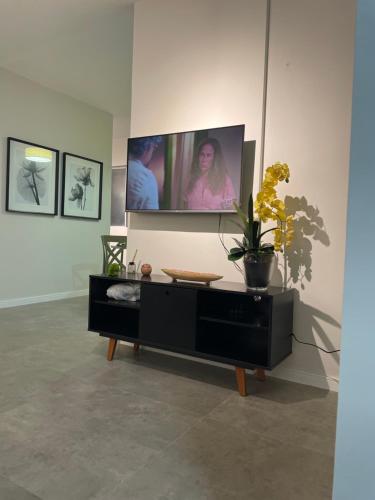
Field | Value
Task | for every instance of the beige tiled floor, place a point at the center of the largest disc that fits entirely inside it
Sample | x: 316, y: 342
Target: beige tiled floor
x: 147, y: 427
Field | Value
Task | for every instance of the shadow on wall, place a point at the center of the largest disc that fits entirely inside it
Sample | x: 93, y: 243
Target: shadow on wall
x: 308, y: 320
x: 297, y: 268
x: 297, y: 260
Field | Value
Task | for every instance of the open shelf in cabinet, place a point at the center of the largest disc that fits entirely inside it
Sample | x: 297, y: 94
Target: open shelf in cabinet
x: 105, y: 317
x: 246, y: 344
x: 235, y: 309
x: 127, y: 304
x: 233, y: 323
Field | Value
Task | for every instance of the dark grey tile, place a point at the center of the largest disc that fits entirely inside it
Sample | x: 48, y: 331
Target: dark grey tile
x: 310, y: 423
x: 159, y: 481
x: 71, y: 406
x: 21, y: 383
x: 151, y: 423
x: 191, y: 395
x: 61, y: 480
x: 10, y: 491
x: 222, y: 457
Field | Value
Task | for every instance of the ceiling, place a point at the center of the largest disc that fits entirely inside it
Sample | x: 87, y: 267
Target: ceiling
x: 82, y: 48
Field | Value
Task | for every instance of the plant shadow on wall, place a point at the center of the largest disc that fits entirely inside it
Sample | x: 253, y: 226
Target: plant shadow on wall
x: 296, y: 268
x: 297, y: 259
x: 294, y: 224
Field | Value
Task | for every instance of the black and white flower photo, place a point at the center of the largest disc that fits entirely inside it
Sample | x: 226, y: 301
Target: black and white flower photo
x: 32, y: 178
x: 82, y: 187
x: 31, y: 182
x: 79, y: 191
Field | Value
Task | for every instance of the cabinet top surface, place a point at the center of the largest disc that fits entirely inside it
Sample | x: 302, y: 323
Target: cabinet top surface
x: 219, y: 285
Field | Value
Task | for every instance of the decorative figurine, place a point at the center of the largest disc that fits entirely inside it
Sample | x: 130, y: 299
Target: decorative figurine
x: 146, y: 269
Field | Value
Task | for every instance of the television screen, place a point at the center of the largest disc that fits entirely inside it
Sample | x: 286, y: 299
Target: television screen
x: 196, y: 171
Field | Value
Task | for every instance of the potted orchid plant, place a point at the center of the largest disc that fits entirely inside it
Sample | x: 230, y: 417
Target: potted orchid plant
x: 259, y: 257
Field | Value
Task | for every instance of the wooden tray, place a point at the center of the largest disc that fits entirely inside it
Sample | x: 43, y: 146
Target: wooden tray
x: 178, y: 274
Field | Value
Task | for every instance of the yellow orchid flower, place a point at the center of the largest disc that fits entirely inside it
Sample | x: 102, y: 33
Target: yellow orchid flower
x: 278, y: 204
x: 277, y: 242
x: 265, y: 213
x: 281, y: 215
x: 269, y: 207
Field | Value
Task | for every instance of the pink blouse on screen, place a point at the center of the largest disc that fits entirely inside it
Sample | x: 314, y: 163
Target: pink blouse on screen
x: 202, y: 198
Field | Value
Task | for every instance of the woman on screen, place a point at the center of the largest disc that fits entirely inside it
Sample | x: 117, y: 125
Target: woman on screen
x: 210, y: 187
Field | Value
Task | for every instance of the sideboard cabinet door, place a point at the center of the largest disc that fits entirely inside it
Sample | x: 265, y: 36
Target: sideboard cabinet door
x: 168, y: 316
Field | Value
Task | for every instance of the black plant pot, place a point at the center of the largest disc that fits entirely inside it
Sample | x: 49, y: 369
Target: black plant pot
x: 258, y: 270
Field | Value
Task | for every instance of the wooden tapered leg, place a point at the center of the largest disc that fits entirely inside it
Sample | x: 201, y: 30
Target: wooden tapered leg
x: 241, y: 380
x: 135, y: 347
x: 260, y: 374
x: 111, y: 348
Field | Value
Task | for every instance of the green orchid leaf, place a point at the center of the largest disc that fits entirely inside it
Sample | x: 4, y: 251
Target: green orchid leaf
x: 246, y: 231
x: 256, y: 236
x: 249, y: 227
x: 267, y: 248
x: 249, y: 236
x: 243, y: 229
x: 236, y: 250
x: 241, y: 214
x: 232, y: 256
x: 238, y: 224
x: 250, y: 210
x: 239, y: 243
x: 236, y: 253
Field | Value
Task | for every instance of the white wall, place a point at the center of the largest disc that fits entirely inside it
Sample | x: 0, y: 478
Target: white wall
x: 121, y: 130
x: 45, y: 255
x: 196, y: 64
x: 308, y: 125
x: 200, y: 64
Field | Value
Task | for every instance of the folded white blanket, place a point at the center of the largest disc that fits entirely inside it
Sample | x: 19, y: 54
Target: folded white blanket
x: 125, y: 291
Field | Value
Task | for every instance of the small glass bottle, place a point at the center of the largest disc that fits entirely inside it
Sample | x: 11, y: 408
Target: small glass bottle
x: 131, y: 268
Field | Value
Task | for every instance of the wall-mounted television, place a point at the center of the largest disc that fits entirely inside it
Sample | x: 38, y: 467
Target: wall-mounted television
x: 194, y: 172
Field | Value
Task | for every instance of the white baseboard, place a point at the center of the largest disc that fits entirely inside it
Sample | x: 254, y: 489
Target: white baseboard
x: 306, y: 378
x: 298, y: 376
x: 22, y: 301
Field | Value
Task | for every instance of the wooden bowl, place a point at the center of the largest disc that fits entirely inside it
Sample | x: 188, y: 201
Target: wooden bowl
x: 178, y: 274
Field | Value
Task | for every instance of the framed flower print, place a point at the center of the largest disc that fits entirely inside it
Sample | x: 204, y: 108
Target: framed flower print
x: 81, y: 187
x: 32, y: 178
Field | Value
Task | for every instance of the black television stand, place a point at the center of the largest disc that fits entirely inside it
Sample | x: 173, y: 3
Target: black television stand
x: 222, y: 322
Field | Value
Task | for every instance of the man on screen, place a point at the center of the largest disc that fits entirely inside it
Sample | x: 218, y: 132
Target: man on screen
x: 142, y: 190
